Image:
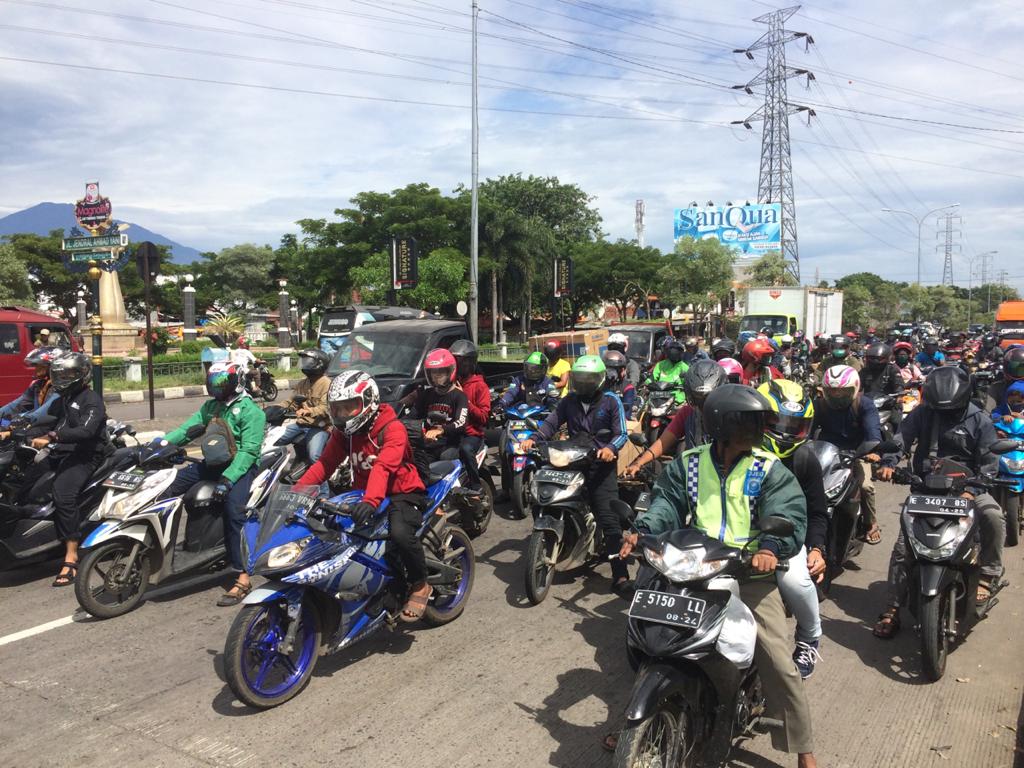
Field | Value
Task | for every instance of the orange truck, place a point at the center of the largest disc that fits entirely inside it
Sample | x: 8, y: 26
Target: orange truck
x: 1010, y: 323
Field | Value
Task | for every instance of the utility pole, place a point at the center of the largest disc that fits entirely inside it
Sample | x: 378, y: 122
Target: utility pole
x: 474, y: 237
x: 986, y: 261
x: 1002, y: 285
x: 948, y: 246
x: 775, y: 181
x: 920, y: 223
x: 639, y: 222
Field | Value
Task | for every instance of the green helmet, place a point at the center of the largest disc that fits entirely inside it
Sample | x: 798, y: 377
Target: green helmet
x: 587, y: 376
x: 535, y: 367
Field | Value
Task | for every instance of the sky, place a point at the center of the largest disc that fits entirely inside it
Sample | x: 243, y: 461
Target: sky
x: 216, y: 122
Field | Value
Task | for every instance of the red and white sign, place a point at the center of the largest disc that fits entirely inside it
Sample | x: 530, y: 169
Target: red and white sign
x: 775, y: 294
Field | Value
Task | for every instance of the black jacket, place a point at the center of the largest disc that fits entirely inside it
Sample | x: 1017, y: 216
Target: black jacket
x: 966, y: 438
x: 81, y: 419
x: 887, y: 381
x: 805, y: 466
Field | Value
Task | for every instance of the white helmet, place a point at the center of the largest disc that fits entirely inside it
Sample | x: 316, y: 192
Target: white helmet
x: 352, y: 386
x: 840, y: 386
x: 621, y: 339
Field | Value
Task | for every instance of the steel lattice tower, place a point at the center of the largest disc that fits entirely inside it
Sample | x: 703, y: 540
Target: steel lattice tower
x: 775, y: 181
x: 948, y: 247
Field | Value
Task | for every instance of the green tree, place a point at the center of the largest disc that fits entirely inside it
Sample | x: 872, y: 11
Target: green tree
x: 697, y: 273
x: 770, y: 270
x: 241, y: 276
x: 15, y: 288
x: 50, y: 278
x: 856, y: 306
x: 621, y: 273
x: 442, y: 280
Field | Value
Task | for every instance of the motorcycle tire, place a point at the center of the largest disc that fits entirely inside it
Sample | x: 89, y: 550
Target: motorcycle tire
x: 664, y: 738
x: 541, y: 555
x: 1012, y: 508
x: 934, y: 634
x: 124, y: 600
x: 457, y: 545
x: 242, y: 647
x: 520, y: 502
x: 269, y: 393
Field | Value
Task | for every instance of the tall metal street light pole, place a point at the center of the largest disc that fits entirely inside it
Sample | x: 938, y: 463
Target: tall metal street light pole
x: 920, y: 223
x: 474, y: 240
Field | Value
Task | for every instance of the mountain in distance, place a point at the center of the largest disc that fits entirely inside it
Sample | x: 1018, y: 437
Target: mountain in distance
x: 43, y: 218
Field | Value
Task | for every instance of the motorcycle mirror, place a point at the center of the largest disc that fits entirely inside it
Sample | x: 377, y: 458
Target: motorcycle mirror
x: 638, y: 439
x: 774, y: 525
x: 1000, y: 447
x: 195, y: 431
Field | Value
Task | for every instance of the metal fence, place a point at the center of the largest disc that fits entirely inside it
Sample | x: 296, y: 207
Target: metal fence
x: 191, y: 370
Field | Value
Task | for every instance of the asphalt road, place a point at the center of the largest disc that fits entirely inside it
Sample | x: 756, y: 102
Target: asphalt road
x: 507, y: 685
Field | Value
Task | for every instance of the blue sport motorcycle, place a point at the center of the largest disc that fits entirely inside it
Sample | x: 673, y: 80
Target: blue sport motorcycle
x: 1011, y: 467
x: 519, y: 465
x: 331, y: 585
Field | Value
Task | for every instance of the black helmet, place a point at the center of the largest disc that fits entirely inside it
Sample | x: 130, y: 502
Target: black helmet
x: 947, y: 389
x: 1013, y: 364
x: 70, y: 371
x: 702, y: 377
x: 615, y: 364
x: 722, y: 348
x: 767, y: 331
x: 840, y: 347
x: 735, y: 409
x: 465, y: 354
x: 673, y: 350
x: 989, y: 340
x: 313, y: 362
x: 876, y: 355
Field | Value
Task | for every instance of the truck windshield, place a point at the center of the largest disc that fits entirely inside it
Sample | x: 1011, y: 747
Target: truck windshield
x: 778, y: 323
x: 379, y: 353
x: 639, y: 344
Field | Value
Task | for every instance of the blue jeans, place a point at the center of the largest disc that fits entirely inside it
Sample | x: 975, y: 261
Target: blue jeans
x: 315, y: 439
x: 234, y: 504
x: 467, y: 454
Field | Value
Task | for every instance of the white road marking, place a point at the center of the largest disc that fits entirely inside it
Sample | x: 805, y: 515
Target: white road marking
x: 32, y: 632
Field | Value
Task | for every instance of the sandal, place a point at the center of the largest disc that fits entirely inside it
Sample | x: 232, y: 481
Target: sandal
x: 610, y: 742
x: 888, y: 624
x: 415, y: 607
x: 66, y: 579
x: 984, y: 592
x: 874, y: 535
x: 235, y: 595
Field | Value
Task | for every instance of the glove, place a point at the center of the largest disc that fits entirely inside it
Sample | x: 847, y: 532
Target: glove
x: 362, y: 513
x: 222, y: 489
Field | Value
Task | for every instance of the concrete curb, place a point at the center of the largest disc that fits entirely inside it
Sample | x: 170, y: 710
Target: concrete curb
x: 170, y: 393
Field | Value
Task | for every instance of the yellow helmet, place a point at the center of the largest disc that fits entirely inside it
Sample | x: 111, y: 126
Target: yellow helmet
x: 794, y: 415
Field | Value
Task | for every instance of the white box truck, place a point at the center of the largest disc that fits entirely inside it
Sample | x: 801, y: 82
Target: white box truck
x: 788, y: 310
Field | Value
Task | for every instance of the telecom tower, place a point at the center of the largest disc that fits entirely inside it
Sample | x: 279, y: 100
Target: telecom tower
x: 639, y: 222
x: 948, y: 247
x: 775, y: 182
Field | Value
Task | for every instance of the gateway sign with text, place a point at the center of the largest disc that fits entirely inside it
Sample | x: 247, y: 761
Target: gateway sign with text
x: 753, y: 229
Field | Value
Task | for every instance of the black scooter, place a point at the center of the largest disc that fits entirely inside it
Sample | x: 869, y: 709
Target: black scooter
x: 697, y: 689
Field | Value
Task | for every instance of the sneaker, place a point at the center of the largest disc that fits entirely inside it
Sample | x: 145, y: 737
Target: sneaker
x: 805, y: 656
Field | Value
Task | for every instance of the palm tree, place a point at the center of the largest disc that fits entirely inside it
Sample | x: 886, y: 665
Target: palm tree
x: 229, y: 326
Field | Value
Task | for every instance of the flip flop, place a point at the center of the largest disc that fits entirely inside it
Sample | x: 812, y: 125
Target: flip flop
x: 888, y: 624
x: 66, y: 579
x: 873, y: 536
x: 415, y: 607
x: 235, y: 595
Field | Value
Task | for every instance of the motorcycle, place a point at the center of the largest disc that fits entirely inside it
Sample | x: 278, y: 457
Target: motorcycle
x: 661, y: 405
x: 27, y: 530
x: 943, y: 547
x: 889, y: 416
x: 1011, y: 469
x: 691, y: 641
x: 136, y: 544
x: 517, y: 465
x: 267, y: 390
x: 333, y: 586
x: 565, y: 532
x: 278, y: 420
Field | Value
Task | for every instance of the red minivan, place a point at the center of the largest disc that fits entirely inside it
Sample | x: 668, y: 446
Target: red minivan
x: 19, y: 329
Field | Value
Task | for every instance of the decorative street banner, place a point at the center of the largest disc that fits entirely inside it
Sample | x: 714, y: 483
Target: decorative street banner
x: 404, y: 263
x: 754, y: 229
x: 563, y: 278
x: 93, y: 212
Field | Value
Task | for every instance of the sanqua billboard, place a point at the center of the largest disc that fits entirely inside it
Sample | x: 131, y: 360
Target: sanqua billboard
x: 754, y: 229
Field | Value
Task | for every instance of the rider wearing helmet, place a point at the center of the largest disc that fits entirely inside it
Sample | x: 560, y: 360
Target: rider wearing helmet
x: 558, y: 366
x: 879, y: 376
x: 619, y: 342
x: 733, y: 370
x: 787, y: 439
x: 232, y: 413
x: 722, y: 348
x: 444, y: 409
x: 590, y: 408
x: 369, y: 433
x: 533, y: 385
x: 73, y: 443
x: 783, y: 361
x: 34, y: 402
x: 990, y: 349
x: 930, y: 356
x: 673, y: 367
x: 687, y: 424
x: 478, y: 402
x: 249, y: 363
x: 756, y: 357
x: 722, y: 488
x: 312, y: 417
x: 616, y: 380
x: 947, y: 424
x: 847, y: 418
x: 692, y: 351
x: 903, y: 359
x: 1013, y: 370
x: 840, y: 354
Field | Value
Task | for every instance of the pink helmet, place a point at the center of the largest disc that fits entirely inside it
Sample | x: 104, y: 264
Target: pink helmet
x: 440, y: 368
x: 733, y: 369
x: 840, y: 386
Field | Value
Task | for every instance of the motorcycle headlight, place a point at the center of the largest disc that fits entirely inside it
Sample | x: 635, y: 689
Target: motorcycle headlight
x: 286, y: 554
x: 952, y: 538
x: 683, y: 564
x: 145, y: 494
x: 562, y: 458
x: 1014, y: 465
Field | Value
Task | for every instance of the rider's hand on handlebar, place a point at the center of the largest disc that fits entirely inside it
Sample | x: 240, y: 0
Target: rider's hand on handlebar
x: 631, y: 471
x: 40, y: 442
x: 872, y: 458
x: 764, y: 561
x: 433, y: 433
x: 526, y: 445
x: 884, y: 473
x: 605, y: 454
x: 816, y: 565
x: 629, y: 541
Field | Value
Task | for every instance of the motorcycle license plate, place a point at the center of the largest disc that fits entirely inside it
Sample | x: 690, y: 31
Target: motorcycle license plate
x: 932, y: 505
x: 555, y: 476
x: 125, y: 481
x: 518, y: 424
x: 666, y: 608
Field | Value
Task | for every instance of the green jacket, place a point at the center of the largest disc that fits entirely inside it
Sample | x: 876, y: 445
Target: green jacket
x: 677, y: 503
x: 666, y: 370
x: 247, y: 423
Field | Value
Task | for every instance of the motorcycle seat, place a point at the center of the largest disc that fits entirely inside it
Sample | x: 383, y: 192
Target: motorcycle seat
x: 439, y: 470
x: 110, y: 463
x: 268, y: 459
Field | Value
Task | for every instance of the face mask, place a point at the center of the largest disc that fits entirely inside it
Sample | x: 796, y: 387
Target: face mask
x: 902, y: 360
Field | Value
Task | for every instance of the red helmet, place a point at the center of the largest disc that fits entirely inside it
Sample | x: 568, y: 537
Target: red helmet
x: 242, y: 343
x: 552, y: 350
x: 852, y: 334
x: 757, y: 352
x: 440, y: 369
x: 903, y: 346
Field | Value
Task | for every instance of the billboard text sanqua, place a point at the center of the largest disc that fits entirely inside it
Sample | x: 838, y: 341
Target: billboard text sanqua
x: 745, y: 228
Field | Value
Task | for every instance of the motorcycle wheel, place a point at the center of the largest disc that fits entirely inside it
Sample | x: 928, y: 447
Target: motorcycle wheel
x: 520, y: 504
x: 1012, y: 508
x: 665, y: 738
x: 270, y: 392
x: 257, y: 673
x: 458, y: 549
x: 476, y: 526
x: 541, y: 555
x: 94, y: 587
x: 934, y: 634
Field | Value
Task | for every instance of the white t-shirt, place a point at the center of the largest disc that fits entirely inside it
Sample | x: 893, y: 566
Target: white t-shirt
x: 243, y: 358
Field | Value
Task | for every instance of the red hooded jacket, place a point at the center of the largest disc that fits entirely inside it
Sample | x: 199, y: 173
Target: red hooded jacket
x: 479, y: 396
x: 381, y: 459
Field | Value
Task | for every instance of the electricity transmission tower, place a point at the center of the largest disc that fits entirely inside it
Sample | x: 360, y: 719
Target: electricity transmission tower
x: 639, y: 222
x: 775, y: 181
x: 948, y: 246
